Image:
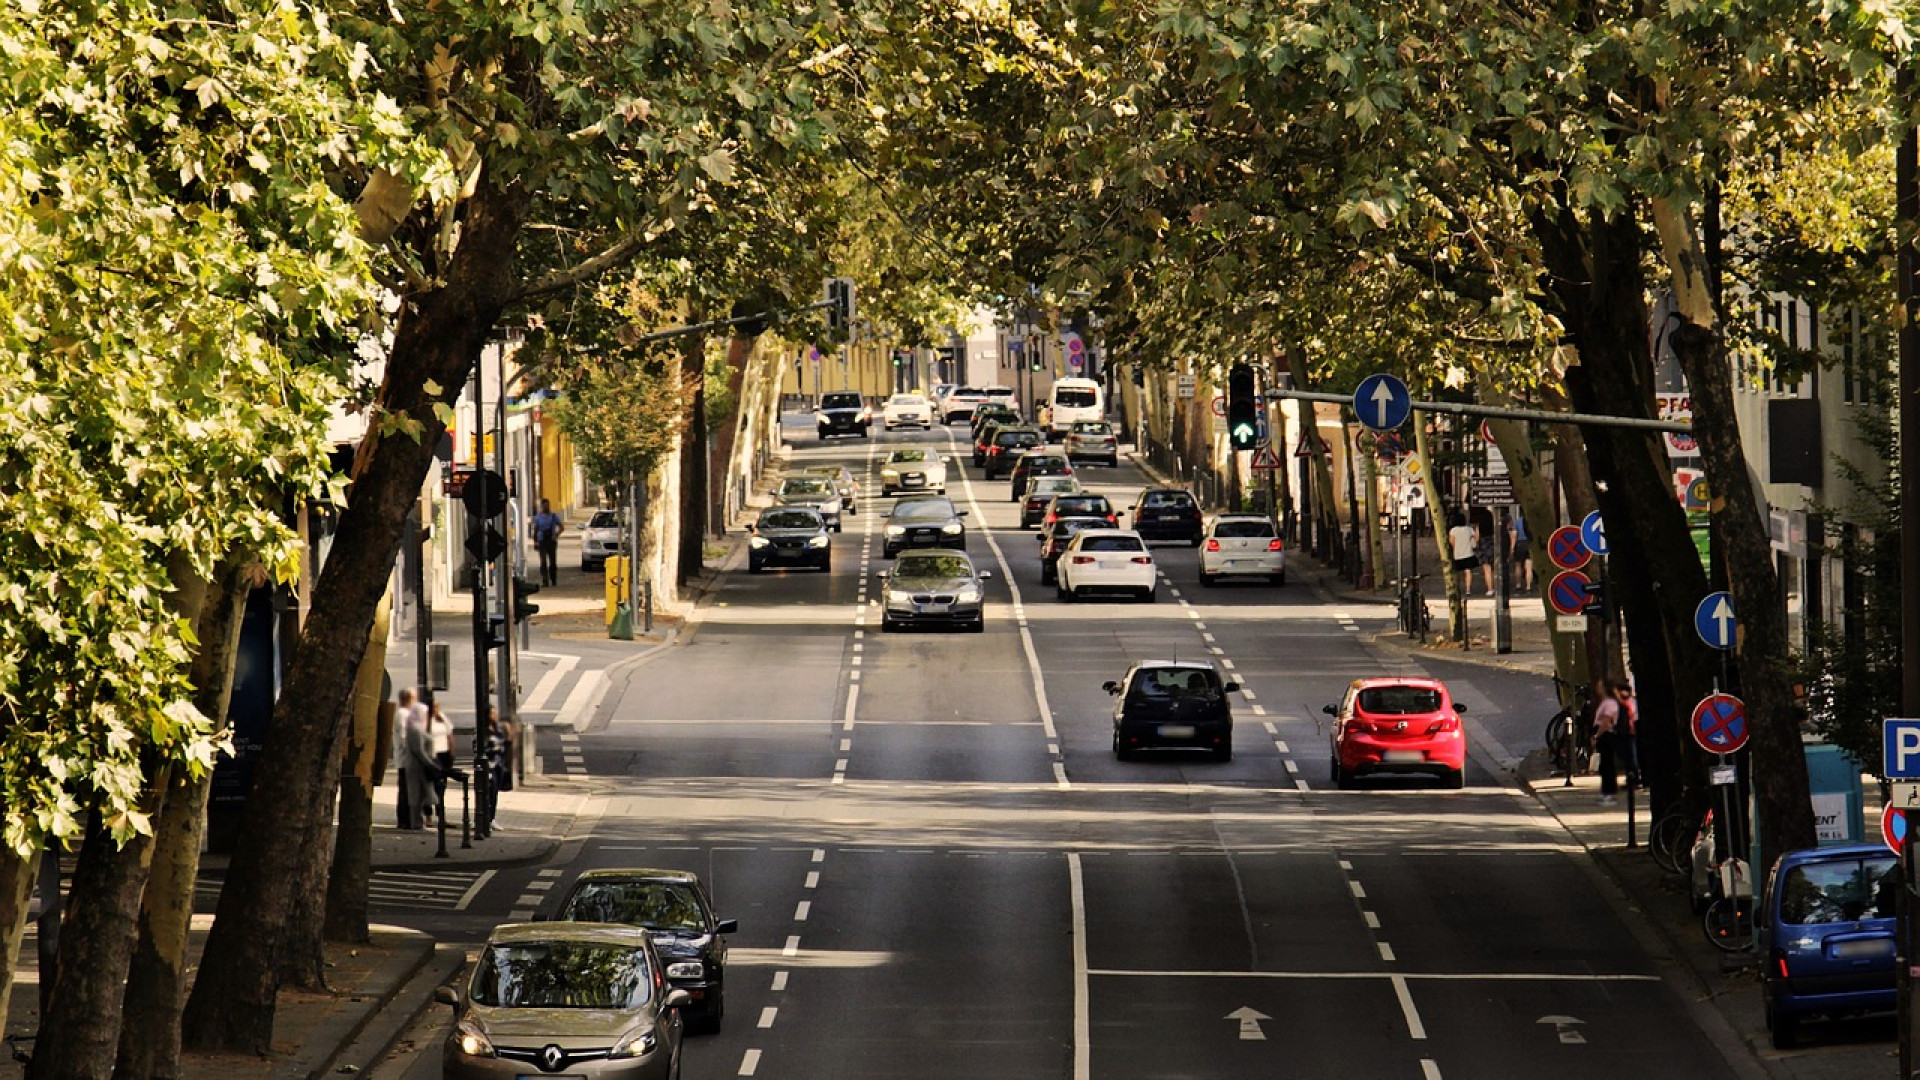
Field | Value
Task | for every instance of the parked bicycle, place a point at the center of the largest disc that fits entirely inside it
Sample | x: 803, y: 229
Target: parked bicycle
x: 1416, y: 620
x: 1672, y: 839
x: 1569, y: 734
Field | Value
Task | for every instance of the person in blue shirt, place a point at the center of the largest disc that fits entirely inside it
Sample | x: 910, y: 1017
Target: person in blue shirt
x: 1521, y: 552
x: 547, y: 527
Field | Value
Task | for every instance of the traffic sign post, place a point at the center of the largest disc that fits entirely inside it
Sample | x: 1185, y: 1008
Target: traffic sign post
x: 1720, y: 724
x: 1567, y: 592
x: 1713, y: 620
x: 1382, y: 402
x: 1566, y: 549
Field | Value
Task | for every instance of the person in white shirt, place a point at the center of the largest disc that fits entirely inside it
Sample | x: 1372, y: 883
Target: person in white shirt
x: 440, y: 739
x: 1460, y: 545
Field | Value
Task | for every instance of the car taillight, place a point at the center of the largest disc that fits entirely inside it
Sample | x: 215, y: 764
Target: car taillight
x: 1445, y: 723
x: 1273, y: 544
x: 1144, y: 559
x: 1112, y: 519
x: 1082, y: 560
x: 1780, y: 959
x: 1213, y: 545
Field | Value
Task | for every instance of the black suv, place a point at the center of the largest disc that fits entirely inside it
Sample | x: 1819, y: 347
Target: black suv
x: 990, y: 414
x: 1167, y: 514
x: 789, y: 536
x: 1002, y: 445
x: 843, y: 412
x: 1172, y: 703
x: 1037, y: 463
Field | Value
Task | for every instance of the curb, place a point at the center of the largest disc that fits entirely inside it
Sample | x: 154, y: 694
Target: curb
x: 396, y: 974
x: 384, y: 1024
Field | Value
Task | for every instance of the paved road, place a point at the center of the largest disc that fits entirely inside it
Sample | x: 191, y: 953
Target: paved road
x: 940, y: 870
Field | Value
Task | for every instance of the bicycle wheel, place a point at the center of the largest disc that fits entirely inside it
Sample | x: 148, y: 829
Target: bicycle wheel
x: 1670, y: 839
x: 1728, y: 924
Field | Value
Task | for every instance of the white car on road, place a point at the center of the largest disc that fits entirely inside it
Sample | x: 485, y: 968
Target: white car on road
x: 1242, y: 545
x: 1106, y: 561
x: 914, y: 470
x: 907, y: 410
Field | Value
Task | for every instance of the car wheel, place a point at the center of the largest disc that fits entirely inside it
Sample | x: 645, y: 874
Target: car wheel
x: 1046, y: 576
x: 886, y: 493
x: 1060, y: 591
x: 836, y: 525
x: 1457, y: 779
x: 754, y: 567
x: 1113, y: 462
x: 1280, y: 578
x: 1223, y: 753
x: 1120, y: 752
x: 1209, y: 579
x: 887, y: 625
x: 1150, y: 595
x: 1785, y: 1028
x: 978, y: 626
x: 826, y: 566
x: 1195, y: 542
x: 1342, y: 779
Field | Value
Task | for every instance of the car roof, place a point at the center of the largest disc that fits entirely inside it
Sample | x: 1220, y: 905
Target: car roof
x: 639, y: 873
x: 913, y: 553
x: 1107, y: 532
x: 1400, y: 680
x: 1835, y: 852
x: 596, y: 933
x: 1238, y: 516
x: 1197, y: 665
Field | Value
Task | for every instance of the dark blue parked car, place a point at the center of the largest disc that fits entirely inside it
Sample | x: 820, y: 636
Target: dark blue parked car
x: 1827, y: 931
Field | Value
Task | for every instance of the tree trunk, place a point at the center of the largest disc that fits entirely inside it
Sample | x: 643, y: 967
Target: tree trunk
x: 1438, y: 522
x: 1779, y: 763
x: 1596, y: 274
x: 156, y: 981
x: 352, y: 871
x: 693, y: 462
x: 438, y: 339
x: 740, y: 356
x: 303, y: 959
x: 80, y: 1031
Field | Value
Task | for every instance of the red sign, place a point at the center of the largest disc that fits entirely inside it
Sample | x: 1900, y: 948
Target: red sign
x: 1893, y: 827
x: 1567, y: 592
x: 1720, y: 724
x: 1566, y: 549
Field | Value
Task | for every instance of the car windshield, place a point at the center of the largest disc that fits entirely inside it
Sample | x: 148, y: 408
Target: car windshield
x: 908, y: 455
x: 1167, y: 498
x: 907, y: 399
x: 840, y: 401
x: 1112, y: 543
x: 933, y: 566
x: 1054, y: 485
x: 1399, y: 700
x: 1081, y: 504
x: 562, y: 975
x: 925, y: 509
x: 1047, y: 463
x: 790, y: 519
x: 1092, y: 427
x: 1067, y: 527
x: 656, y: 905
x: 604, y: 519
x: 1840, y: 890
x: 1074, y: 398
x: 1018, y: 438
x: 803, y: 488
x: 1176, y: 683
x: 1243, y: 528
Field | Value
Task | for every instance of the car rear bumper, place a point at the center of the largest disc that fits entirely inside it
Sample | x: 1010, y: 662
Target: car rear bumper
x: 1784, y: 999
x: 1230, y: 564
x: 1428, y: 756
x: 1200, y: 736
x: 1096, y: 580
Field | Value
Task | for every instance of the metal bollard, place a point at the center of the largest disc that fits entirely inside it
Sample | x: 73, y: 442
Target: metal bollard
x: 440, y: 812
x: 1631, y: 788
x: 466, y: 830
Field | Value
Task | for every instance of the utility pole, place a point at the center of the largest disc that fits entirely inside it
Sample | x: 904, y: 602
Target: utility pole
x: 1907, y: 212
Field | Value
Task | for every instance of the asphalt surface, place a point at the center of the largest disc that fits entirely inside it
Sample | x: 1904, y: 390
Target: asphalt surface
x: 940, y: 870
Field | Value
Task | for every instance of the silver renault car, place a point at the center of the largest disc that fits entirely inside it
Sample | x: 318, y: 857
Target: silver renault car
x: 561, y: 998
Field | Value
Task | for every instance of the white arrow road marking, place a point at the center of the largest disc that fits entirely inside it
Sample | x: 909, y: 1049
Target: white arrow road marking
x: 1249, y: 1023
x: 1564, y: 1027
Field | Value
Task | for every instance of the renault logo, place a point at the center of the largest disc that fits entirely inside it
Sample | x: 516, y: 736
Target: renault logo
x: 552, y: 1058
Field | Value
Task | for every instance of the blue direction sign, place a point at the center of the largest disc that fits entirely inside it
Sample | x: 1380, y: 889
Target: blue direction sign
x: 1713, y: 620
x: 1901, y: 745
x: 1382, y: 402
x: 1593, y: 533
x: 1720, y: 723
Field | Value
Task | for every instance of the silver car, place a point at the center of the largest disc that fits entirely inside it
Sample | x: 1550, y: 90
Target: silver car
x: 588, y: 1000
x: 603, y: 535
x: 913, y: 469
x: 812, y: 491
x: 842, y: 480
x: 1242, y: 545
x: 933, y: 587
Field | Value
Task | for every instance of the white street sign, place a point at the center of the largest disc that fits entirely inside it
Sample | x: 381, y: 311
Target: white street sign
x: 1570, y: 624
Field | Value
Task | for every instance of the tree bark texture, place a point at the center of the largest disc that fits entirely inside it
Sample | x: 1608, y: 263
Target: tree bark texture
x: 157, y: 980
x: 726, y: 435
x: 438, y: 339
x: 693, y: 463
x: 352, y: 870
x: 1596, y: 276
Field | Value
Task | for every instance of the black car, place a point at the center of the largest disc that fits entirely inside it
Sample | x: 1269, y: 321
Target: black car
x: 933, y: 587
x: 1167, y: 514
x: 990, y: 413
x: 1053, y: 540
x: 1179, y: 703
x: 1004, y: 443
x: 1037, y: 463
x: 1080, y: 504
x: 843, y: 412
x: 924, y: 522
x: 674, y: 907
x: 789, y: 536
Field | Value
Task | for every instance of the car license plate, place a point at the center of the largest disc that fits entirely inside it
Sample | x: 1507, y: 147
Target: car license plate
x: 1176, y: 731
x: 1398, y: 757
x: 1860, y: 950
x: 934, y: 609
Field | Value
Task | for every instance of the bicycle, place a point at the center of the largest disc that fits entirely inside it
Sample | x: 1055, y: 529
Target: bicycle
x: 1416, y: 620
x: 1728, y: 918
x: 1569, y: 734
x: 1671, y: 839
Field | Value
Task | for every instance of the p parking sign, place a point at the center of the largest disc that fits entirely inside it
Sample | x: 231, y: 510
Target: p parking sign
x: 1901, y: 748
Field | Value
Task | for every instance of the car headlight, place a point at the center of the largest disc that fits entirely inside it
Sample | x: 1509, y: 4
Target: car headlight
x: 951, y: 528
x: 817, y: 542
x: 896, y: 530
x: 898, y: 596
x: 686, y: 969
x: 758, y: 542
x: 473, y: 1040
x: 889, y: 474
x: 636, y: 1043
x: 969, y: 595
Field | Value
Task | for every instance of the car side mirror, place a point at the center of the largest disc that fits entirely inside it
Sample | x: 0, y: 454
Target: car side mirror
x: 1457, y: 707
x: 1110, y: 686
x: 1231, y: 688
x: 676, y: 999
x: 1328, y: 709
x: 447, y: 995
x: 961, y: 513
x: 727, y: 926
x: 880, y: 575
x: 986, y: 575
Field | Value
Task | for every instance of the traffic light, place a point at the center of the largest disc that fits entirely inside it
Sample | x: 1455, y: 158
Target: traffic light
x: 839, y: 304
x: 496, y: 632
x: 1243, y: 408
x: 522, y: 611
x: 1034, y: 362
x: 1599, y: 600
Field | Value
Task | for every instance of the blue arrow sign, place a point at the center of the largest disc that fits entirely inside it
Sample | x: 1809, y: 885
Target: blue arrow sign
x: 1714, y: 621
x: 1593, y: 533
x: 1382, y: 402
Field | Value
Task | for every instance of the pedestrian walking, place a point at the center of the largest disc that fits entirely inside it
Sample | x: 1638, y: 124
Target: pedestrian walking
x: 547, y: 527
x: 1613, y: 736
x: 1520, y: 545
x: 1483, y: 548
x: 1460, y: 550
x: 440, y: 737
x: 420, y: 770
x: 502, y: 740
x: 403, y: 711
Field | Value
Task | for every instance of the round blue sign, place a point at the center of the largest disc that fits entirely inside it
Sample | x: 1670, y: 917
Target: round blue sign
x: 1593, y: 533
x: 1714, y: 620
x: 1382, y: 402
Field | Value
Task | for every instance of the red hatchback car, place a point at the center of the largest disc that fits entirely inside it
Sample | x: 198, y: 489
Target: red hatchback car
x: 1403, y: 726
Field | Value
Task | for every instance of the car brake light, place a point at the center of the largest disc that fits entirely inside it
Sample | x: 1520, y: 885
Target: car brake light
x: 1273, y: 544
x: 1082, y: 560
x: 1146, y: 559
x: 1213, y: 545
x: 1780, y: 958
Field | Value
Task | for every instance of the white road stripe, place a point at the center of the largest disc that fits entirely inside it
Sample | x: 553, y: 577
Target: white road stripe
x: 1429, y: 1069
x: 1291, y: 767
x: 1411, y: 976
x: 792, y: 947
x: 550, y: 682
x: 853, y: 698
x: 801, y: 911
x: 1082, y: 1021
x: 473, y: 890
x: 779, y: 981
x: 581, y: 698
x: 750, y: 1063
x: 1281, y: 743
x: 1373, y: 921
x: 819, y: 855
x: 1415, y: 1029
x: 766, y: 1016
x: 813, y: 879
x: 1386, y: 952
x: 1359, y: 893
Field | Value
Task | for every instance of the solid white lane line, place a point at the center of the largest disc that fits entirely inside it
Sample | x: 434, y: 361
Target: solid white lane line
x: 1411, y: 976
x: 1060, y: 775
x: 766, y: 1016
x: 1415, y: 1029
x: 1082, y: 1022
x: 802, y: 910
x: 1386, y: 951
x: 473, y: 890
x: 813, y: 879
x: 792, y: 947
x: 779, y: 981
x: 750, y: 1063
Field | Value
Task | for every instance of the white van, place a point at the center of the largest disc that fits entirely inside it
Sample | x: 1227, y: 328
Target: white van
x: 1074, y: 400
